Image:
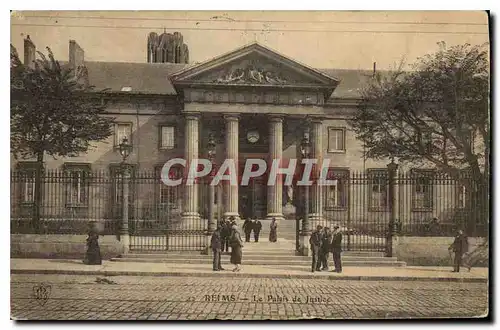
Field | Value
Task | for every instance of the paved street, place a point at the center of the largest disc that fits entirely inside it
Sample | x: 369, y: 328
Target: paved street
x: 66, y: 297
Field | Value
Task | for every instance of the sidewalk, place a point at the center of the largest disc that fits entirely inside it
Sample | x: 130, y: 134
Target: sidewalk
x: 109, y: 268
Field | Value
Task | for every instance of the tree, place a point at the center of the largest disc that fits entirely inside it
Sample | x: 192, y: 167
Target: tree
x: 53, y: 112
x: 436, y: 112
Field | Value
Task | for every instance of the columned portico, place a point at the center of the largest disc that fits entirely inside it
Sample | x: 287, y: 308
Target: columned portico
x: 316, y: 214
x: 275, y: 191
x: 190, y: 207
x: 231, y: 191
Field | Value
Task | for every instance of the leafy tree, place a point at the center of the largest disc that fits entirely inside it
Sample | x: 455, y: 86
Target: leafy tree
x: 437, y: 112
x: 53, y: 112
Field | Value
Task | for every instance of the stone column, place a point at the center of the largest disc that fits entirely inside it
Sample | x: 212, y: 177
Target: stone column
x: 232, y: 137
x: 275, y: 192
x: 191, y: 138
x: 316, y: 193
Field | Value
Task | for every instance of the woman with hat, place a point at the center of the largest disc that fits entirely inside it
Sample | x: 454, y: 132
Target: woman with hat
x: 236, y: 245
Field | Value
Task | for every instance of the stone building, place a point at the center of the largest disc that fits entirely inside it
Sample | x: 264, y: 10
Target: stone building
x: 256, y: 103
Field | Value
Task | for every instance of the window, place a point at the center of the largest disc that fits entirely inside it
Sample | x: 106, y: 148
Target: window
x: 336, y: 139
x: 168, y: 195
x: 378, y: 189
x: 77, y: 184
x: 27, y: 174
x: 422, y: 190
x: 117, y: 188
x: 123, y: 130
x: 167, y: 137
x: 336, y: 195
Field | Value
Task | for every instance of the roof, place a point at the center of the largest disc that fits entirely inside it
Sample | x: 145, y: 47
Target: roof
x: 152, y: 78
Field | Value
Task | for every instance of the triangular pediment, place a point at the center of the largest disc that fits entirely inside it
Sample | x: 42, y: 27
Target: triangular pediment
x: 253, y: 65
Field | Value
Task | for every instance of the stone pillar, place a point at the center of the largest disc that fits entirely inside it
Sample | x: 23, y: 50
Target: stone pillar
x: 316, y: 193
x: 125, y: 235
x: 275, y: 192
x: 232, y: 137
x: 392, y: 173
x: 191, y: 134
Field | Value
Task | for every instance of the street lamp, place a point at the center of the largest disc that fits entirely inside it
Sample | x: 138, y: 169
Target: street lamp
x: 211, y: 151
x: 125, y: 149
x: 305, y: 148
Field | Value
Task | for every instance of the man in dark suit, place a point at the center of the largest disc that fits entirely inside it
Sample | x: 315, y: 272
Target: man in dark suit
x: 257, y: 227
x: 247, y: 228
x: 337, y: 249
x: 325, y: 248
x: 216, y: 245
x: 315, y: 242
x: 460, y: 246
x: 225, y: 234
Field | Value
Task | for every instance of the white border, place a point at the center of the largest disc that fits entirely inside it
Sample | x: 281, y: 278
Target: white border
x: 184, y: 5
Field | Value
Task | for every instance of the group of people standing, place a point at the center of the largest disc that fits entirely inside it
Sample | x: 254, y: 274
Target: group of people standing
x: 323, y: 241
x: 228, y: 235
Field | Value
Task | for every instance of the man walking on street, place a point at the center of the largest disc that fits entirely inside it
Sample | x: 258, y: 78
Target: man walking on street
x: 216, y: 245
x: 325, y: 248
x: 257, y: 227
x: 460, y: 246
x: 337, y: 249
x: 315, y: 242
x: 247, y: 228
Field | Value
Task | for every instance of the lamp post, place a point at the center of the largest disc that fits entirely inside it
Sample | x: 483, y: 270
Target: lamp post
x: 211, y: 150
x: 306, y: 151
x: 125, y: 150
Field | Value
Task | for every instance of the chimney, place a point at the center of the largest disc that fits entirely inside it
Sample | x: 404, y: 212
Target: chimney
x: 76, y: 55
x: 29, y: 52
x: 374, y: 68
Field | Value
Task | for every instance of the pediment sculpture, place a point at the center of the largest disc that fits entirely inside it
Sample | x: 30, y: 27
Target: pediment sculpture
x: 251, y: 75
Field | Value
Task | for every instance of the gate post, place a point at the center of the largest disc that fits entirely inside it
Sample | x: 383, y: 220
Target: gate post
x: 306, y: 227
x: 124, y: 233
x: 392, y: 172
x: 212, y: 225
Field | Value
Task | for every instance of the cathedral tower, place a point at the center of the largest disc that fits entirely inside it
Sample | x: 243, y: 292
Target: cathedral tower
x: 167, y: 48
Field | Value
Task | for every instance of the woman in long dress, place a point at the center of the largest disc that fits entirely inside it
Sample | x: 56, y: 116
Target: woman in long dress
x: 236, y: 251
x: 273, y: 234
x: 93, y: 254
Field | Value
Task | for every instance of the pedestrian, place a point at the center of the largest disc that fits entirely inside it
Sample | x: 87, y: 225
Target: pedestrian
x: 257, y: 227
x: 216, y: 245
x: 325, y: 248
x: 459, y: 246
x: 315, y: 241
x: 273, y: 234
x: 247, y: 228
x: 236, y: 248
x: 93, y: 253
x: 224, y: 233
x: 336, y: 248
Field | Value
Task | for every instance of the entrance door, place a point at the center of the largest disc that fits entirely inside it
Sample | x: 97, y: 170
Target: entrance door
x: 253, y: 199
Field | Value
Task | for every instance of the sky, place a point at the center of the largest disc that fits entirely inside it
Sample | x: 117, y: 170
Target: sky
x: 321, y: 39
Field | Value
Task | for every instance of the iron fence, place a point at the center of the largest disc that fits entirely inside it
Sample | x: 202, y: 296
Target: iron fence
x: 426, y: 203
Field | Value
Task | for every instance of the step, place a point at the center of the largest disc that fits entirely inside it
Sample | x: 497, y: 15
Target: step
x: 290, y: 262
x: 250, y: 256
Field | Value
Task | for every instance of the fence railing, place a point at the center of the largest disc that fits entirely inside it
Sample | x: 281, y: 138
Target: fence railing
x: 427, y: 203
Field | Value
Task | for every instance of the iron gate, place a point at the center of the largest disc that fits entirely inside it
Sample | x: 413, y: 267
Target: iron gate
x: 156, y: 223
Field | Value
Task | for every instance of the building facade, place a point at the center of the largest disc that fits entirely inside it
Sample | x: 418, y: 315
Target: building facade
x: 255, y: 103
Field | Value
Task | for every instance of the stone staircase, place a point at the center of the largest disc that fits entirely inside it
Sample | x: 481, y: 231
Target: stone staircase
x: 281, y: 253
